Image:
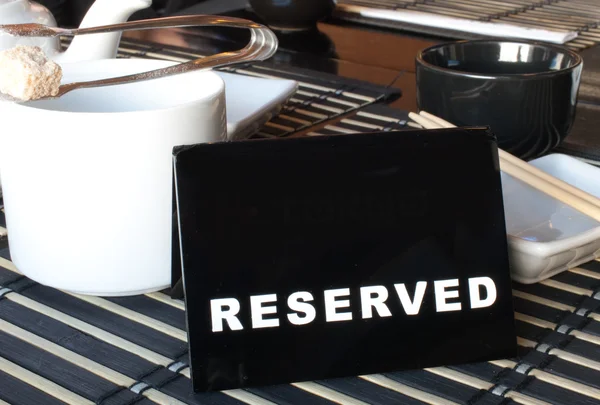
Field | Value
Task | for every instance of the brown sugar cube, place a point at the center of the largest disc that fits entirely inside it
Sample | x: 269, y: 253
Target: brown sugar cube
x: 27, y: 74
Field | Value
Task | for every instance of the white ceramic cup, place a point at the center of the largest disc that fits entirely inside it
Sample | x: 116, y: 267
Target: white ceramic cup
x: 87, y: 178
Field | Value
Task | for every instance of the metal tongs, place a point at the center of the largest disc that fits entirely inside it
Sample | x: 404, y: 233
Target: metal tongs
x: 262, y: 45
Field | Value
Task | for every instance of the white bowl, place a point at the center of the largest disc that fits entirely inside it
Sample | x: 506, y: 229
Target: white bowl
x: 545, y: 236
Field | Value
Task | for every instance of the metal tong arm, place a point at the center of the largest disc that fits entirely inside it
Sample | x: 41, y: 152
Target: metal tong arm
x: 262, y: 45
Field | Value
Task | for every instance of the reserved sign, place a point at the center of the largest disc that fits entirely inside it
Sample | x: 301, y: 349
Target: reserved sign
x: 322, y: 257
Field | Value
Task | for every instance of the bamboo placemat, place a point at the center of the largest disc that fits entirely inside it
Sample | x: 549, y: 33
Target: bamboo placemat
x: 57, y: 347
x: 581, y: 16
x: 379, y: 117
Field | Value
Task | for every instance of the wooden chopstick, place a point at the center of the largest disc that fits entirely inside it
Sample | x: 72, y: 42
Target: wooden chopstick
x: 529, y: 174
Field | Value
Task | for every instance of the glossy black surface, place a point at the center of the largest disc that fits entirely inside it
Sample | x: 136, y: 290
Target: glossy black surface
x: 317, y: 213
x: 292, y: 14
x: 525, y: 92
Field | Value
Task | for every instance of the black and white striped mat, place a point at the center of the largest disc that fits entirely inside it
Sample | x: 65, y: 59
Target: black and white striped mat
x: 61, y: 348
x: 57, y: 347
x: 580, y: 16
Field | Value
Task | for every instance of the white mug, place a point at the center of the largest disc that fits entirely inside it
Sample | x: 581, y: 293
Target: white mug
x: 87, y: 178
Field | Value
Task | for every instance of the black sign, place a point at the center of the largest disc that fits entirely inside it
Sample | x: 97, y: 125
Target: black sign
x: 323, y: 257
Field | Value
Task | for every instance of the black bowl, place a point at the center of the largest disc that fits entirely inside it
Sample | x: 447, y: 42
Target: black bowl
x: 292, y: 15
x: 525, y: 91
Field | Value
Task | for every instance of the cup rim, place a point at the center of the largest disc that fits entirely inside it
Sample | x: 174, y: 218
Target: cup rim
x: 151, y: 64
x: 500, y: 76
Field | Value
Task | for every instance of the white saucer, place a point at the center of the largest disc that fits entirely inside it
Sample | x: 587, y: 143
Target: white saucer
x: 252, y: 101
x: 545, y: 236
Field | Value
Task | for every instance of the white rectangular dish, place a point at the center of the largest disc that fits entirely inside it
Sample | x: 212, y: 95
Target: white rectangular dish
x: 545, y: 236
